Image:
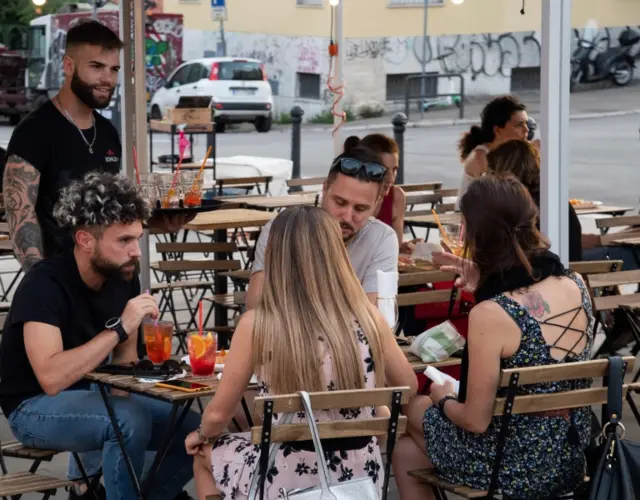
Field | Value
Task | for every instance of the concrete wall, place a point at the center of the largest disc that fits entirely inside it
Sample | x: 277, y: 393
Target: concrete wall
x: 486, y: 61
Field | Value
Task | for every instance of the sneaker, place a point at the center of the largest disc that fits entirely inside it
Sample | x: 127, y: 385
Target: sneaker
x: 98, y: 493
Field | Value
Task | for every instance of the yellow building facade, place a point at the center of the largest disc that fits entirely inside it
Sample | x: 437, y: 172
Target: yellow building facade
x: 490, y: 43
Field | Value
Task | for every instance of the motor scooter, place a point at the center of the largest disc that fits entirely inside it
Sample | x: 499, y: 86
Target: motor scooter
x: 616, y: 63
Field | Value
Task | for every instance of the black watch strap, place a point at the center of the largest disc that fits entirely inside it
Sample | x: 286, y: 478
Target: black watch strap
x: 444, y: 400
x: 115, y: 324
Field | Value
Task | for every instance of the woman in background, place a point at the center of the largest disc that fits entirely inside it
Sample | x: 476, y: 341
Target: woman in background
x: 503, y: 118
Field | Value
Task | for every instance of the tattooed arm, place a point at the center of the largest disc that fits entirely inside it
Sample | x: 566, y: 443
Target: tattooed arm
x: 20, y: 185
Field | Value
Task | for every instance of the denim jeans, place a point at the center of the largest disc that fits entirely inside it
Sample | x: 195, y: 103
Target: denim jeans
x: 625, y: 254
x: 78, y: 421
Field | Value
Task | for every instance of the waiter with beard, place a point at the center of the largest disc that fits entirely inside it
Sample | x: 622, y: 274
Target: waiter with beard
x: 57, y: 143
x: 61, y: 141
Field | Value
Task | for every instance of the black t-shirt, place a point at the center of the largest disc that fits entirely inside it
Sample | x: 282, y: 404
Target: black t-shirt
x: 53, y: 145
x: 53, y: 292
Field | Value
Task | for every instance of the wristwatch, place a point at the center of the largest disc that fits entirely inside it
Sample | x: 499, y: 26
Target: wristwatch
x: 115, y: 324
x: 205, y: 440
x: 444, y: 400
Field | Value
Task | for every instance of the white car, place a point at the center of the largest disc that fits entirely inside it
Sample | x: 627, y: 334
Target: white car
x: 238, y: 87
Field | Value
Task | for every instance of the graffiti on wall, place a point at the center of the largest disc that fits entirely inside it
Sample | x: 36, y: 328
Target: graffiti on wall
x: 163, y: 43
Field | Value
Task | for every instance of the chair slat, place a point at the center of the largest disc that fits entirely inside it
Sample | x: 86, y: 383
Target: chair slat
x: 608, y: 239
x: 622, y: 221
x: 614, y: 301
x: 614, y: 279
x: 196, y: 247
x: 430, y: 297
x: 199, y: 265
x: 24, y: 482
x: 243, y: 180
x: 425, y: 186
x: 331, y: 429
x: 423, y: 278
x: 423, y: 199
x: 559, y: 372
x: 357, y: 398
x: 556, y: 401
x: 596, y: 266
x: 308, y: 181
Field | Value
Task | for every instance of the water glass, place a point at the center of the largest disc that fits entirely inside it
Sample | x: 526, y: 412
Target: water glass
x: 170, y: 196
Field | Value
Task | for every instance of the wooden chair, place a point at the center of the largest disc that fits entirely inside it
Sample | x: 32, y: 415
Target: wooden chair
x: 267, y: 433
x: 235, y: 301
x: 293, y: 184
x: 513, y: 404
x: 247, y: 183
x: 587, y: 267
x: 623, y: 221
x: 428, y: 296
x: 415, y: 188
x: 605, y: 301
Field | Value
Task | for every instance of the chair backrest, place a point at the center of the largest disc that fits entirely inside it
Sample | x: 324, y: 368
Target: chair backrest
x: 622, y: 221
x: 307, y: 181
x: 292, y: 403
x: 576, y: 398
x: 188, y: 247
x: 585, y: 268
x: 425, y: 186
x: 443, y: 208
x: 609, y: 238
x: 249, y: 182
x: 620, y: 278
x: 429, y: 296
x: 449, y: 192
x: 422, y: 199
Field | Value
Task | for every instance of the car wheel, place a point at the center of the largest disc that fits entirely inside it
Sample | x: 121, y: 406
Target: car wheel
x: 156, y: 114
x: 221, y: 128
x: 263, y: 124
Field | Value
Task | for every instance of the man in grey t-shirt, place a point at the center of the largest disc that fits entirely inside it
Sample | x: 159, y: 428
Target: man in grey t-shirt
x: 350, y: 194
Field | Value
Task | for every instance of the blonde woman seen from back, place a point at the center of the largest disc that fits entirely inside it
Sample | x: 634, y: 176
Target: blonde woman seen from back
x: 315, y: 330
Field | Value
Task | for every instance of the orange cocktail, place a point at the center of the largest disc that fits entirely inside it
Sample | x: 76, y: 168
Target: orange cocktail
x: 202, y: 353
x: 157, y: 338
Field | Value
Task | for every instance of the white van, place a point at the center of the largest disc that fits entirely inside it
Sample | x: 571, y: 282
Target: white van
x: 239, y: 89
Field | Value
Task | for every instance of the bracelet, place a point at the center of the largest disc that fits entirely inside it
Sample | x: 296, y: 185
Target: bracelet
x: 444, y: 400
x: 201, y: 437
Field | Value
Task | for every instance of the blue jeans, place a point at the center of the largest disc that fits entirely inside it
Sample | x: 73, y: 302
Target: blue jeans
x: 77, y: 421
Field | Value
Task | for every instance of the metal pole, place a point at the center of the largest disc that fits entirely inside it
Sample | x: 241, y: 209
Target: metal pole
x: 140, y: 90
x: 554, y: 130
x: 296, y: 118
x: 223, y: 40
x: 337, y: 141
x: 399, y: 122
x: 423, y: 80
x: 94, y: 10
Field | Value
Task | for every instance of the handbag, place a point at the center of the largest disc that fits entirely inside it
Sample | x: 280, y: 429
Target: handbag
x: 360, y: 489
x: 617, y: 476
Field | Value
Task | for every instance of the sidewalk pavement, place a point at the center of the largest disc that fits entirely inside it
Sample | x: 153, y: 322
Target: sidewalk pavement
x: 586, y: 104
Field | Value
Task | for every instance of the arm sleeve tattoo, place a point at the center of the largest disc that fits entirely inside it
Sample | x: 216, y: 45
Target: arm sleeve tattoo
x: 21, y: 183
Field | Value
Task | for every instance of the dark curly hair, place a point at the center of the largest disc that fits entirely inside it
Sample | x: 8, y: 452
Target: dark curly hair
x: 521, y: 159
x: 98, y: 201
x: 495, y: 114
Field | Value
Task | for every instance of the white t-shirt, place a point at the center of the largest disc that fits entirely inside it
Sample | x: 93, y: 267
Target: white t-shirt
x: 374, y: 248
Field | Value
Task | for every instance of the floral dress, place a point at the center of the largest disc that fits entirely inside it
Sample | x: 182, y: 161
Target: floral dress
x: 235, y: 460
x: 540, y: 458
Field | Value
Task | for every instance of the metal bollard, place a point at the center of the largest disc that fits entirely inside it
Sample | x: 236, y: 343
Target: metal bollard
x: 296, y: 125
x: 399, y: 122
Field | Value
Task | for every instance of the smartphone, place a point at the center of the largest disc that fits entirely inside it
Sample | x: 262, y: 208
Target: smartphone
x: 183, y: 385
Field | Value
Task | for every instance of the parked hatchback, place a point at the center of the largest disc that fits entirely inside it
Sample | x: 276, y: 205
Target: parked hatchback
x: 238, y: 87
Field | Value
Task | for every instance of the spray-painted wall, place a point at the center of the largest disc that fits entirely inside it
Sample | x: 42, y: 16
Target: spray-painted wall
x: 486, y: 61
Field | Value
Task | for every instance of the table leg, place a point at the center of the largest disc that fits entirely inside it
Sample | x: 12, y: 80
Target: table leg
x: 220, y: 282
x: 172, y: 425
x: 120, y: 438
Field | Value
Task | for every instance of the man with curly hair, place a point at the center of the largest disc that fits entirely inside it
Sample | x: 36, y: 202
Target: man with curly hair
x: 69, y: 314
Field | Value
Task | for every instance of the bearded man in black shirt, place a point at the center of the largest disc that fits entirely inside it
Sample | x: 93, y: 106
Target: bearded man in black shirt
x: 69, y: 314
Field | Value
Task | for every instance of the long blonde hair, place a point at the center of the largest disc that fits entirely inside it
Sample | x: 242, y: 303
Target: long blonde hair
x: 311, y: 294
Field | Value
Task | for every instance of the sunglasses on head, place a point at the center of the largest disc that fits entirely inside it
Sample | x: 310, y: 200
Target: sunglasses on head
x: 351, y: 166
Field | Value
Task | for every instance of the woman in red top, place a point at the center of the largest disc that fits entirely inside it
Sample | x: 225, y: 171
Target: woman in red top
x: 393, y: 205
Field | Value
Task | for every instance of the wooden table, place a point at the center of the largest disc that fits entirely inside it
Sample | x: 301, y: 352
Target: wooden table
x: 603, y: 210
x: 274, y: 202
x: 229, y: 219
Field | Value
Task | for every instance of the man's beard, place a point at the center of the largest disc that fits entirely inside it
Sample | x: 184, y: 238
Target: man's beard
x: 114, y: 272
x: 84, y: 92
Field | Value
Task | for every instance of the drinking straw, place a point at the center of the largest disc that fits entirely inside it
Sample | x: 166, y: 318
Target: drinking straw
x: 200, y: 318
x: 155, y: 321
x: 204, y: 162
x: 175, y: 177
x: 135, y: 164
x: 443, y: 233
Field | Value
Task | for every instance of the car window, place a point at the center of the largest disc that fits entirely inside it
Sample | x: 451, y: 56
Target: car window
x: 196, y: 73
x: 240, y: 70
x: 181, y: 76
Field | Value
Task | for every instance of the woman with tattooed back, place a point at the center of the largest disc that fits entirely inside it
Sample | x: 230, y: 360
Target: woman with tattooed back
x: 314, y: 330
x: 530, y: 311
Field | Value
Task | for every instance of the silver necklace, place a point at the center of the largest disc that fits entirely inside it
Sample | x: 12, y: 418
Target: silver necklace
x: 93, y: 118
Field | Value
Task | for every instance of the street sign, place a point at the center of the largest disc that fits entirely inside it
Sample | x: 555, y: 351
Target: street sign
x: 218, y: 10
